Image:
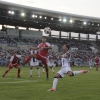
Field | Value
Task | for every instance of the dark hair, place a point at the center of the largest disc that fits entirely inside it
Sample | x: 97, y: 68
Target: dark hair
x: 67, y: 46
x: 43, y: 37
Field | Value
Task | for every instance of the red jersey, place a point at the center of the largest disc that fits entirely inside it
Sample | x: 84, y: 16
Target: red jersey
x: 97, y: 59
x: 14, y: 59
x: 44, y: 52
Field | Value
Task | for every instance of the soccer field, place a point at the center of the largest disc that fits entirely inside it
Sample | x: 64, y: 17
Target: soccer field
x: 79, y: 87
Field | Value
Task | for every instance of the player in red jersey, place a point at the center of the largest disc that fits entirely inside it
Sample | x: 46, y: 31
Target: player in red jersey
x: 97, y: 62
x: 13, y: 63
x: 42, y: 54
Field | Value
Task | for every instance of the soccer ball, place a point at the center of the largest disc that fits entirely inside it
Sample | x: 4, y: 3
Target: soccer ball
x: 47, y: 30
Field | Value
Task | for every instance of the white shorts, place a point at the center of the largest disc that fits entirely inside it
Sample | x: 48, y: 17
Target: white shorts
x: 34, y: 63
x: 64, y: 71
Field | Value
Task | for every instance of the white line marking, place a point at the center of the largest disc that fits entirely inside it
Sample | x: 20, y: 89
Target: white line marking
x: 18, y: 82
x: 13, y: 78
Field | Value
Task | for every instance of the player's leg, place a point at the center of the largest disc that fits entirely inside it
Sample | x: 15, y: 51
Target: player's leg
x: 73, y: 73
x: 90, y: 67
x: 38, y: 70
x: 52, y: 68
x: 47, y: 71
x: 96, y: 67
x: 59, y: 74
x: 29, y: 57
x: 44, y: 61
x: 31, y: 67
x: 9, y: 67
x: 19, y: 69
x: 31, y: 70
x: 43, y: 69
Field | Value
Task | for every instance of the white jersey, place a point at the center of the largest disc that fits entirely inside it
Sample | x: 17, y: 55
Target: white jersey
x: 66, y: 61
x: 90, y: 62
x: 33, y: 52
x: 65, y: 65
x: 34, y: 61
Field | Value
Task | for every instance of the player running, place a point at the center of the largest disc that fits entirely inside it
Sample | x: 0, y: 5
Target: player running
x: 34, y: 62
x: 43, y: 53
x: 90, y: 63
x: 65, y: 69
x: 13, y: 63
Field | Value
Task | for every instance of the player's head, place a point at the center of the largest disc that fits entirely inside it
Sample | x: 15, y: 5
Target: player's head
x: 44, y: 39
x: 96, y: 55
x: 65, y: 47
x: 14, y: 53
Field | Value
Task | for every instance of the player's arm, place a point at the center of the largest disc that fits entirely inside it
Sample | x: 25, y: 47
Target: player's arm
x: 49, y: 47
x: 34, y: 48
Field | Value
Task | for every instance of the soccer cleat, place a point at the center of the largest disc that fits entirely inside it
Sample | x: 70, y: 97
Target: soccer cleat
x: 39, y: 76
x: 30, y: 75
x: 23, y: 63
x: 85, y: 71
x: 3, y: 76
x: 18, y: 76
x: 47, y: 78
x: 52, y: 89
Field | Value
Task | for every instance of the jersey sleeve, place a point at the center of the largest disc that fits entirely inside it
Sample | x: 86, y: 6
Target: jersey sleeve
x: 48, y: 44
x: 19, y: 56
x: 12, y: 57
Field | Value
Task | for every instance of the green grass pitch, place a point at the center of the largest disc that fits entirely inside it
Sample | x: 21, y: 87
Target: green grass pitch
x: 79, y: 87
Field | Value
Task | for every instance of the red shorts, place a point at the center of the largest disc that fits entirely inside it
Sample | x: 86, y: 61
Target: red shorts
x: 42, y: 58
x: 96, y: 63
x: 13, y: 65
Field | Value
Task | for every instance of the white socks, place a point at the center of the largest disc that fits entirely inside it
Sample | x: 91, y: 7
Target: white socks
x: 55, y: 81
x: 43, y: 70
x: 52, y: 70
x: 90, y: 67
x: 38, y: 70
x: 31, y: 72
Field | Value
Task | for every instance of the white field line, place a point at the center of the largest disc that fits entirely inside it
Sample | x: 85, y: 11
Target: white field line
x: 13, y: 78
x: 18, y: 82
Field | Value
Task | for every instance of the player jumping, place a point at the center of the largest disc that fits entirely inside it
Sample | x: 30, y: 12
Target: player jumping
x: 43, y: 53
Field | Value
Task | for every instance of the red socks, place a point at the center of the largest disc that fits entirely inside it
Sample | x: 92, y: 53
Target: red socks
x: 5, y: 73
x: 18, y: 72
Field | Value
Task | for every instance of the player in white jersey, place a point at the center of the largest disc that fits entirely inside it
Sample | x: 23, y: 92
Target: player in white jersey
x: 65, y: 69
x: 34, y: 62
x: 51, y: 63
x: 90, y: 63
